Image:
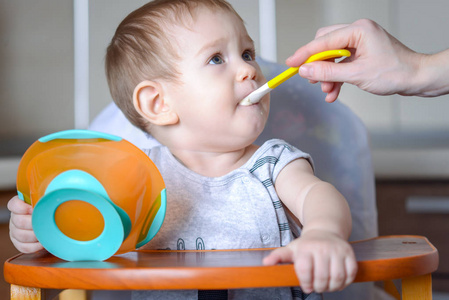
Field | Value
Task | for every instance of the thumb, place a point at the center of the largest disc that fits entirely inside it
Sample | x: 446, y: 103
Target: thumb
x: 326, y: 71
x: 280, y: 255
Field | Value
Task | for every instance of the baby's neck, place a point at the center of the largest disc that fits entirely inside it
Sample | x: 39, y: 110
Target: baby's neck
x: 213, y: 164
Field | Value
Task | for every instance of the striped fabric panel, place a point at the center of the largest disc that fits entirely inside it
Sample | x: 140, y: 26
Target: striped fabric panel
x: 286, y: 146
x: 284, y: 227
x: 267, y: 182
x: 277, y: 204
x: 262, y: 161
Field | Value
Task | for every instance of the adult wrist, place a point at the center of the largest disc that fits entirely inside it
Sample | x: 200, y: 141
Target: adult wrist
x: 431, y: 76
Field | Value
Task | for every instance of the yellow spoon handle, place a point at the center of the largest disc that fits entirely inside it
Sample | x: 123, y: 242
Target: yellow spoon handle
x: 319, y: 56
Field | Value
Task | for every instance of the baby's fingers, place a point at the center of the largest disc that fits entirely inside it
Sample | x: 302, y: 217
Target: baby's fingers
x: 279, y: 255
x: 22, y: 222
x: 17, y: 206
x: 26, y: 247
x: 351, y: 269
x: 338, y: 275
x: 304, y: 268
x: 303, y: 265
x: 24, y: 240
x: 343, y: 272
x: 24, y: 233
x: 321, y: 274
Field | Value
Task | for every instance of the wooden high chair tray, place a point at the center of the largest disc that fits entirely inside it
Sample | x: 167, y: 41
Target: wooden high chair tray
x: 382, y: 258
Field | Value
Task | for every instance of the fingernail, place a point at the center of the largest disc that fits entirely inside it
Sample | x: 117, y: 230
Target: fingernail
x: 305, y: 71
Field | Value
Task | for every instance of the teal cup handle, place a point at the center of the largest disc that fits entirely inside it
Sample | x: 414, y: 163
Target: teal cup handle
x: 81, y: 186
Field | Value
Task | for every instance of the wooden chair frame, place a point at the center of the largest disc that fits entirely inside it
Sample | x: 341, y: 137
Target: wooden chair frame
x: 409, y: 258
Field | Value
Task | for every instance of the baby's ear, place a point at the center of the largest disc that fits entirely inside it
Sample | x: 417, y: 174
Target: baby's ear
x: 148, y: 100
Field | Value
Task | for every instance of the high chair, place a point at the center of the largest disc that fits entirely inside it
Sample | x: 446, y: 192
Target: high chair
x: 409, y: 258
x: 331, y: 133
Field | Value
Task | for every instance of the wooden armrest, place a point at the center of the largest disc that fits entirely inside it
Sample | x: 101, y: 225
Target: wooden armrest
x: 381, y: 258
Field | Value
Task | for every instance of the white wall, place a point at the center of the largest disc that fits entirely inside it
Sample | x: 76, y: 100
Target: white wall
x: 36, y: 59
x: 36, y: 67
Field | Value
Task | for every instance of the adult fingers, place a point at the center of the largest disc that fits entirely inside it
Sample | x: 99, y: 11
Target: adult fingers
x: 325, y: 30
x: 334, y: 37
x: 327, y: 71
x: 333, y: 94
x: 327, y: 87
x: 332, y: 89
x: 338, y: 39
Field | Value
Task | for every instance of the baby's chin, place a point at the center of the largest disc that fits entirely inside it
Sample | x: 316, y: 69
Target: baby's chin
x: 254, y: 132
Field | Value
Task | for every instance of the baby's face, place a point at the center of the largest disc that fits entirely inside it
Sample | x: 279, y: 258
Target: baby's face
x: 218, y: 69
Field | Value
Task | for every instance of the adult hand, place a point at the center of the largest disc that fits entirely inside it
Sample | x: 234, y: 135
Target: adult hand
x: 379, y: 63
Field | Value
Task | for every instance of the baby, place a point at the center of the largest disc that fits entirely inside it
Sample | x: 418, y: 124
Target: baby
x: 178, y: 70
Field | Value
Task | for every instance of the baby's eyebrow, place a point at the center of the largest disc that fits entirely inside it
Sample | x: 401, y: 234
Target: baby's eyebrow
x: 212, y: 44
x: 249, y: 40
x: 219, y: 42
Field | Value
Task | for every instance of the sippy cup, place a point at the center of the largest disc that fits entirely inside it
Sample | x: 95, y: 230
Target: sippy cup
x: 94, y: 194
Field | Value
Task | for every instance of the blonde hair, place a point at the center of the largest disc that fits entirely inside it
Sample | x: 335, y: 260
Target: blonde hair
x: 141, y: 48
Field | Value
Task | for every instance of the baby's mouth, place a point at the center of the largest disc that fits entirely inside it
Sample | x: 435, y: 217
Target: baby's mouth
x: 251, y: 99
x: 246, y: 101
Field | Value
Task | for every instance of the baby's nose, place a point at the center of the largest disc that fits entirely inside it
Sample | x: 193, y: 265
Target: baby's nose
x: 246, y: 72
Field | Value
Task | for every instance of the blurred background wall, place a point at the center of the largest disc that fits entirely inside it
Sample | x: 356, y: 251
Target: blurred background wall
x: 36, y: 74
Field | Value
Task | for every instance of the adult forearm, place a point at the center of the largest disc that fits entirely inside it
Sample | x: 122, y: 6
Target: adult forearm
x: 432, y: 78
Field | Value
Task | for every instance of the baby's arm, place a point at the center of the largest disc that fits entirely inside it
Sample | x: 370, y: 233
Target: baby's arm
x: 20, y: 229
x: 323, y: 259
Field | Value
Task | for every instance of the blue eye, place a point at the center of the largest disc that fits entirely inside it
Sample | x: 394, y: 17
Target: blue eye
x: 247, y: 56
x: 216, y: 60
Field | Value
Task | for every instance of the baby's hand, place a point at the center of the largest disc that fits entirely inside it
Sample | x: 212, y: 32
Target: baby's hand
x: 20, y: 228
x: 323, y: 261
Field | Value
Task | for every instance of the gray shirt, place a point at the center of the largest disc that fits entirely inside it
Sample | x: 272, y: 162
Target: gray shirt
x: 239, y: 210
